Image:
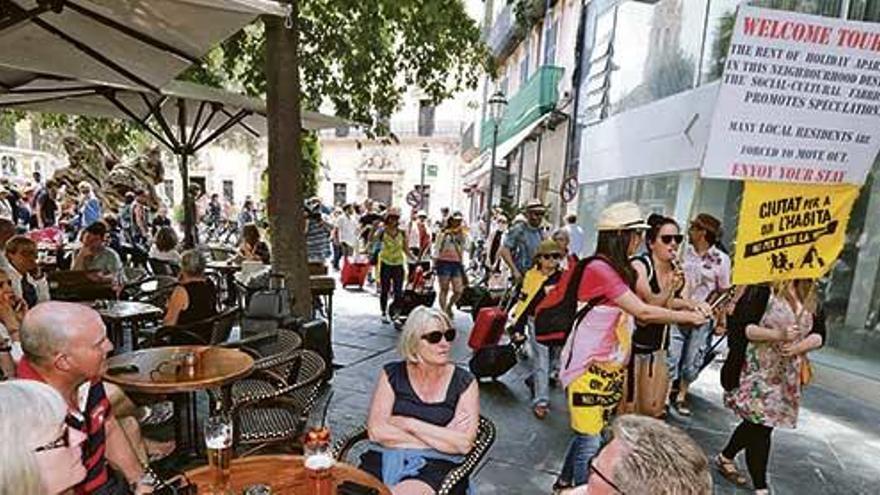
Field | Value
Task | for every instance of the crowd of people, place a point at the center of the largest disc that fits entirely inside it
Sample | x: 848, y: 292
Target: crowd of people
x: 649, y: 297
x: 64, y: 429
x: 654, y: 306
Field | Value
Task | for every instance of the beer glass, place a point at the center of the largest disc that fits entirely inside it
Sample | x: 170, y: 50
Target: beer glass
x: 318, y: 461
x: 218, y: 440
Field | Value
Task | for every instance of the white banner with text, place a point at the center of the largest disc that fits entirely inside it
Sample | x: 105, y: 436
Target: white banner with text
x: 799, y: 100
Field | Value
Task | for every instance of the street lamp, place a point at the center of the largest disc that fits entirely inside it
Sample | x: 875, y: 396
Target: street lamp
x: 425, y: 151
x: 497, y: 103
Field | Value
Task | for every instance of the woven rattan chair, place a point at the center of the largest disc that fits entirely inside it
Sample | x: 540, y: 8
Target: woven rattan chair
x: 349, y: 448
x: 279, y: 416
x: 211, y: 331
x: 272, y: 366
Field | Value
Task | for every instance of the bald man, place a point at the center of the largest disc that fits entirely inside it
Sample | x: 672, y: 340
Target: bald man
x: 66, y: 346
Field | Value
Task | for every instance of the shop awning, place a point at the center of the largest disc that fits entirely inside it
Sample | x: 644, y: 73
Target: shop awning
x: 506, y: 148
x: 128, y: 43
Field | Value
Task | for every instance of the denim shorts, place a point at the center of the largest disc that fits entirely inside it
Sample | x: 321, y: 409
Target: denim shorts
x: 449, y: 269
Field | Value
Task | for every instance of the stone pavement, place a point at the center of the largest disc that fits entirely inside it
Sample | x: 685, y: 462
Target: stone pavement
x: 835, y: 450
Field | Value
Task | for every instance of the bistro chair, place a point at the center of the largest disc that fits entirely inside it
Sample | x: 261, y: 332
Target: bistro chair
x: 210, y: 331
x: 275, y: 364
x: 154, y: 290
x: 278, y: 417
x: 349, y: 449
x: 163, y: 267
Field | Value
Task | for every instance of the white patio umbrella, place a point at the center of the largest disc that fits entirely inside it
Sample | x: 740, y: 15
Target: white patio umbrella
x: 127, y: 43
x: 183, y: 116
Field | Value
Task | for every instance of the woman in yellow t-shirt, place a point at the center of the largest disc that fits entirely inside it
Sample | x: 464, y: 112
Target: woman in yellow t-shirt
x: 393, y: 255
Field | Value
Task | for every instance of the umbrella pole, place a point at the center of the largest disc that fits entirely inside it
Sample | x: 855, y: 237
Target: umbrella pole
x: 189, y: 236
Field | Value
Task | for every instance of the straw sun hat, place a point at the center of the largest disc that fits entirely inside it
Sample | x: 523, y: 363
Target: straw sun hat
x: 622, y: 216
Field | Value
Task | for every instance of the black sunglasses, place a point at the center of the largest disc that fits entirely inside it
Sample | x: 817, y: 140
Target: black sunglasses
x: 552, y: 256
x: 435, y: 336
x: 668, y: 238
x: 60, y: 442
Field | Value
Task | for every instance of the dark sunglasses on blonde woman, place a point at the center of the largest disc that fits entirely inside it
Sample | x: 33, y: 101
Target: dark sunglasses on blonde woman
x: 435, y: 336
x: 553, y: 256
x: 668, y: 238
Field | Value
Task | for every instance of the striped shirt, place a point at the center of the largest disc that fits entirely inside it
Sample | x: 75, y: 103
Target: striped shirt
x: 93, y: 410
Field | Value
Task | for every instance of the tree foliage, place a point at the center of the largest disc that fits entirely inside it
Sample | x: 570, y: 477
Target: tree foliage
x: 362, y: 57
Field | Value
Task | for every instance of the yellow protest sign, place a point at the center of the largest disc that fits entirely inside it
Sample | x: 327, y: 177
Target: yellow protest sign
x: 789, y: 231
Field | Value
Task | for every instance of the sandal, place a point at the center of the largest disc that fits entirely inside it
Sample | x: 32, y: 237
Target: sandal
x: 682, y: 408
x: 728, y: 469
x: 541, y: 411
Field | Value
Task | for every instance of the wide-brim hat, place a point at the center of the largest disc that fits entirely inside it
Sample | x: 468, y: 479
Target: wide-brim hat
x: 535, y: 205
x: 622, y: 216
x: 457, y: 216
x: 708, y: 223
x: 422, y: 213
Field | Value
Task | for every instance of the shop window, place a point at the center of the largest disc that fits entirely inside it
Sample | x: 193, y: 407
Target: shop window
x: 342, y: 131
x: 426, y: 118
x: 228, y: 191
x: 524, y: 63
x: 550, y: 43
x: 865, y: 10
x: 168, y: 186
x: 340, y: 194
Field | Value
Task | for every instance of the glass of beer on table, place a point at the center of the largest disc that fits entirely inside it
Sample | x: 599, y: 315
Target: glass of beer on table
x: 218, y: 440
x: 318, y: 461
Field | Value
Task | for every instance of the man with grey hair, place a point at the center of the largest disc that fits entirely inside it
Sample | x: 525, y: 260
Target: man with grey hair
x: 647, y: 457
x: 65, y: 345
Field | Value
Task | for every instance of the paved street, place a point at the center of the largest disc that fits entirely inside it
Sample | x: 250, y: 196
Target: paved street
x: 833, y: 451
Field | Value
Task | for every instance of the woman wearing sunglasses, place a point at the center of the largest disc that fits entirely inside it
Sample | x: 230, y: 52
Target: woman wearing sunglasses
x: 659, y: 281
x: 537, y: 282
x: 593, y: 361
x: 40, y: 454
x: 425, y: 410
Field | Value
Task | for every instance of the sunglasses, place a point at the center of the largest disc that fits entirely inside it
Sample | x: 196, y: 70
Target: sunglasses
x: 61, y: 442
x: 668, y: 238
x: 552, y: 256
x: 437, y: 335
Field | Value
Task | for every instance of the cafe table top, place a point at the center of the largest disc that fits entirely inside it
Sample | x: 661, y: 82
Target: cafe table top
x: 126, y: 310
x: 283, y: 474
x: 161, y: 371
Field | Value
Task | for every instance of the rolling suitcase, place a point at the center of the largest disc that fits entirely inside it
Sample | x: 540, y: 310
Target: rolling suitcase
x: 488, y: 327
x: 492, y: 361
x: 354, y: 272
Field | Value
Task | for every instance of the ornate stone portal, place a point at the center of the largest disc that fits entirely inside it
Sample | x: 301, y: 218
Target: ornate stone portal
x: 380, y: 164
x: 110, y: 179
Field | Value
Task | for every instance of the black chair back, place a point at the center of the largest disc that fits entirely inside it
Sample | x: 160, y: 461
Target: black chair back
x: 163, y: 267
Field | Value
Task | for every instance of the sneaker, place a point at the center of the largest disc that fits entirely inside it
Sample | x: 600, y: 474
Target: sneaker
x: 385, y: 319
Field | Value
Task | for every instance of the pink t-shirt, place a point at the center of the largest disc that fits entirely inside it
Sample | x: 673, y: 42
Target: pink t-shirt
x: 600, y: 279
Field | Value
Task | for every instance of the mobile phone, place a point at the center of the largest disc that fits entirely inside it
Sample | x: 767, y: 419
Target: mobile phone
x: 125, y: 368
x: 352, y: 488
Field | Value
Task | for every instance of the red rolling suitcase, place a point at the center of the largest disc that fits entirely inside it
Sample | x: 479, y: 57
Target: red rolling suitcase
x: 488, y: 328
x: 354, y: 272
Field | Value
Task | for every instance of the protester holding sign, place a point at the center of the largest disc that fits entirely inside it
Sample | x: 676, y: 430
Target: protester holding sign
x: 772, y: 330
x: 707, y: 273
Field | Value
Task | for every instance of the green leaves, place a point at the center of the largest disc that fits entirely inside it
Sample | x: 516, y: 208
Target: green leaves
x: 362, y: 57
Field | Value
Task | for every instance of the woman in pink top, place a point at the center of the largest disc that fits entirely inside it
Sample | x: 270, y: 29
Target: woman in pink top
x: 596, y: 352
